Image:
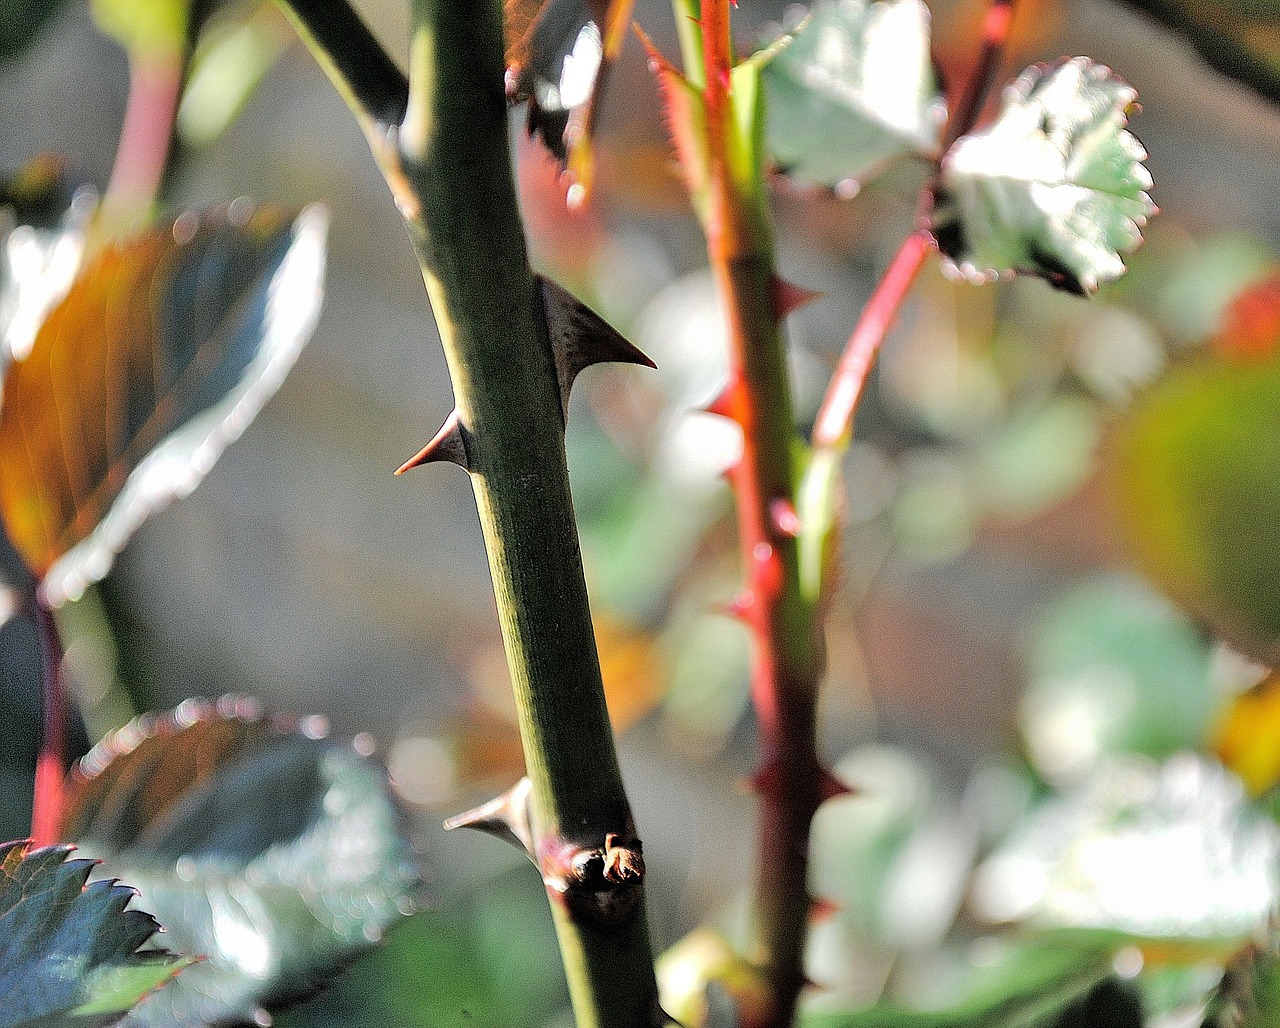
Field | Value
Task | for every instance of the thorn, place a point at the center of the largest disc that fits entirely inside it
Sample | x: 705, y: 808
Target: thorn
x: 789, y: 297
x: 448, y: 444
x: 832, y: 788
x: 822, y: 909
x: 782, y: 513
x: 581, y: 338
x: 507, y: 817
x: 726, y: 79
x: 766, y: 781
x: 739, y: 607
x: 722, y: 405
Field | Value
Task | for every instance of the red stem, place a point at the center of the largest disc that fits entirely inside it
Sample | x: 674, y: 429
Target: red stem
x: 51, y: 764
x: 835, y: 417
x: 995, y: 37
x: 155, y: 84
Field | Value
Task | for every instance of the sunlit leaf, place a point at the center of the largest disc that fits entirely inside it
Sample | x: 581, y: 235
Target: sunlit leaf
x: 71, y: 955
x: 558, y: 54
x: 160, y: 355
x: 1055, y: 187
x: 273, y: 854
x: 852, y: 90
x: 1143, y: 852
x: 41, y: 242
x: 1194, y: 476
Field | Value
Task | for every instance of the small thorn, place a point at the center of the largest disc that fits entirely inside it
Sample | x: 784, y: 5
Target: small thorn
x: 723, y: 405
x: 822, y: 909
x: 831, y: 788
x: 581, y: 338
x: 785, y: 519
x: 766, y: 781
x: 448, y: 444
x: 739, y: 607
x: 788, y: 297
x: 726, y: 79
x: 507, y: 817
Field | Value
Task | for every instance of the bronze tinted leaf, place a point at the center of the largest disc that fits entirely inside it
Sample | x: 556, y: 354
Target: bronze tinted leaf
x: 271, y: 852
x: 162, y: 352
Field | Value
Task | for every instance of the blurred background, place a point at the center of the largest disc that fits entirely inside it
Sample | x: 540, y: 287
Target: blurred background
x: 991, y: 646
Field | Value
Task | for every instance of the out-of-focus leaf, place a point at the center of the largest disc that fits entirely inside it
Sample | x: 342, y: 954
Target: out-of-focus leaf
x: 20, y: 20
x: 1239, y: 38
x: 41, y: 241
x: 558, y: 57
x: 853, y: 89
x: 1114, y: 668
x: 144, y: 27
x: 1023, y: 984
x: 73, y: 954
x: 275, y: 855
x: 1249, y: 994
x: 1055, y: 187
x: 160, y: 355
x: 702, y: 957
x: 1248, y: 738
x: 235, y: 51
x: 1195, y: 474
x: 1145, y: 853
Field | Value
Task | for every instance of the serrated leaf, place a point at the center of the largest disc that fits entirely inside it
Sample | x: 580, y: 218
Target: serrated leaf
x: 159, y: 356
x: 70, y: 955
x: 1055, y: 187
x: 853, y: 90
x: 1196, y: 480
x: 275, y: 855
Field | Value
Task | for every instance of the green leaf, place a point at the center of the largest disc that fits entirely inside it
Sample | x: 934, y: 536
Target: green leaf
x: 1193, y: 474
x: 159, y: 356
x: 1055, y: 187
x: 1114, y: 668
x: 853, y: 90
x: 1019, y: 984
x: 273, y: 854
x: 1249, y: 993
x: 70, y: 955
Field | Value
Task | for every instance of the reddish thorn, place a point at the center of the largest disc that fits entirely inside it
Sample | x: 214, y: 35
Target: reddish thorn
x: 767, y: 781
x: 767, y: 570
x: 725, y: 79
x: 447, y: 444
x: 785, y: 519
x: 739, y: 607
x: 788, y: 297
x: 723, y: 405
x: 830, y: 787
x: 822, y: 909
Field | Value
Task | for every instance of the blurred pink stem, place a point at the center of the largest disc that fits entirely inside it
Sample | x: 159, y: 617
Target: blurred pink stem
x: 155, y: 84
x: 51, y: 764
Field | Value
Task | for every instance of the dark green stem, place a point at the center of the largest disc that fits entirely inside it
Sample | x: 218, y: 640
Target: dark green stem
x: 449, y: 168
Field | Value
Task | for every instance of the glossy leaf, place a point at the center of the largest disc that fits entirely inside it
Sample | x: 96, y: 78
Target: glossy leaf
x: 159, y: 356
x: 558, y: 54
x: 70, y: 955
x: 1193, y: 473
x: 273, y: 854
x: 853, y: 89
x: 1055, y: 187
